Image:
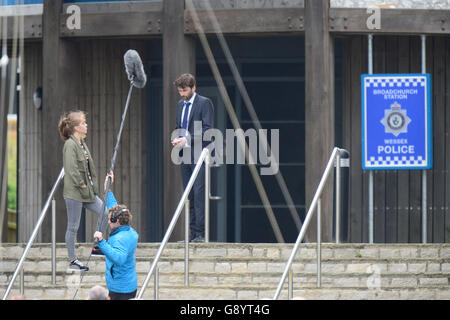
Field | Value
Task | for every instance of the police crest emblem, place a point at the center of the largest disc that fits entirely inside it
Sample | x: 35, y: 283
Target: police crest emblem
x: 395, y: 120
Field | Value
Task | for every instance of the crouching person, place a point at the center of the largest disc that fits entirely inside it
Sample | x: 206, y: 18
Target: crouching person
x: 119, y: 250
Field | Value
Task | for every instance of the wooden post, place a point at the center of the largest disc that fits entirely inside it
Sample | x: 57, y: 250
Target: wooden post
x: 60, y: 90
x: 3, y: 144
x: 178, y: 58
x: 319, y: 109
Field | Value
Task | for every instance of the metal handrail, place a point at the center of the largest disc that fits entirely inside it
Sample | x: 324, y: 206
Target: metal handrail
x: 204, y: 157
x: 33, y: 236
x: 208, y: 196
x: 335, y: 155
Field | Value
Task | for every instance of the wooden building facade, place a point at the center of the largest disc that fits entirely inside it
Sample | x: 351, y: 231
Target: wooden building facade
x: 301, y: 63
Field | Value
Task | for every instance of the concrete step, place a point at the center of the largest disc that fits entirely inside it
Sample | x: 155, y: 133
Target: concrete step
x: 250, y: 271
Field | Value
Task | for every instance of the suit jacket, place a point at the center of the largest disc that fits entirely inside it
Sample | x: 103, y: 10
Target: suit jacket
x: 201, y: 110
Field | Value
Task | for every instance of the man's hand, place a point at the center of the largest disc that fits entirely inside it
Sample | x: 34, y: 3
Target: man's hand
x: 179, y: 142
x: 98, y: 235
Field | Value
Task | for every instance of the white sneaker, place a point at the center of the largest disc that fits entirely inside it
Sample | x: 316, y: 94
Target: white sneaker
x: 76, y: 265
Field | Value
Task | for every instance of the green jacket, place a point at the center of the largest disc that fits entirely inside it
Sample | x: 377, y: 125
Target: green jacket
x: 76, y: 172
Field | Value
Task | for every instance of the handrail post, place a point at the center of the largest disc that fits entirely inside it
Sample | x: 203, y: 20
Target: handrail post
x: 53, y: 241
x: 308, y: 218
x: 34, y: 234
x: 156, y: 286
x: 319, y: 242
x: 174, y: 220
x: 207, y: 194
x: 290, y: 284
x: 186, y: 244
x: 22, y: 282
x: 338, y: 197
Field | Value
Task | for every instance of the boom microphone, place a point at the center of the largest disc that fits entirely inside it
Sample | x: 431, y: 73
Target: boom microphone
x: 136, y: 74
x: 134, y: 68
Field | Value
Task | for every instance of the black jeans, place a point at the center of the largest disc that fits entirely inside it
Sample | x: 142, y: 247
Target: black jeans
x: 122, y: 296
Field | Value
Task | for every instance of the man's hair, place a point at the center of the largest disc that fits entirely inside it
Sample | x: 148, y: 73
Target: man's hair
x: 98, y: 293
x: 185, y: 80
x: 125, y: 217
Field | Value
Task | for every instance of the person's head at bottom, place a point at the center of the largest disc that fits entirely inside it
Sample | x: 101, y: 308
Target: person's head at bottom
x: 98, y: 293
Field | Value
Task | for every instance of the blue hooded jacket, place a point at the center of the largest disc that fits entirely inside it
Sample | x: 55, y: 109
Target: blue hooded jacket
x: 120, y: 260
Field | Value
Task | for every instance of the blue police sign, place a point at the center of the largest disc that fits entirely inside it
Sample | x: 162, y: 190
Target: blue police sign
x: 396, y: 121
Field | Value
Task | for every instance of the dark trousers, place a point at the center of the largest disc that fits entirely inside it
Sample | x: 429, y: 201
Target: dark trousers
x: 122, y: 296
x: 196, y: 199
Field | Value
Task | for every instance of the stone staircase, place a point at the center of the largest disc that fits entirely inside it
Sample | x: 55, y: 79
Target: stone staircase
x: 248, y: 271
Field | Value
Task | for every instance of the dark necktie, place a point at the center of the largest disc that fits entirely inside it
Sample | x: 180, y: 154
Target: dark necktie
x: 184, y: 124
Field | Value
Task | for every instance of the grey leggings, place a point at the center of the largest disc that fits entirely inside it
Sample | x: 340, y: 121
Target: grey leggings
x: 73, y: 220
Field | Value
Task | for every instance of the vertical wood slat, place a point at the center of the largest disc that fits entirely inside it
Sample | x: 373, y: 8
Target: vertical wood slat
x: 415, y: 176
x: 365, y: 177
x: 107, y: 143
x: 122, y: 165
x: 447, y: 141
x: 36, y: 149
x: 86, y: 96
x: 121, y: 157
x: 438, y: 72
x: 429, y: 173
x: 113, y: 122
x: 22, y: 156
x: 135, y: 150
x: 356, y: 203
x: 101, y: 111
x: 379, y: 212
x: 30, y: 203
x: 93, y: 129
x: 346, y: 123
x: 35, y: 177
x: 402, y: 225
x: 29, y: 154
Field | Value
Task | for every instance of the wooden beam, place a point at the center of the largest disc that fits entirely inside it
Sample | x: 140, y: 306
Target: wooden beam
x: 118, y: 7
x: 243, y: 21
x: 145, y: 19
x: 32, y: 26
x: 398, y: 21
x: 114, y: 24
x: 319, y: 110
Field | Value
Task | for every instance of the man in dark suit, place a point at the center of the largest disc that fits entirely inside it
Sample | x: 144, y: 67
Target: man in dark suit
x: 193, y: 109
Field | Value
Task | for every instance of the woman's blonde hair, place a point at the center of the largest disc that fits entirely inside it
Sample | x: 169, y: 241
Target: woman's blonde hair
x: 68, y: 122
